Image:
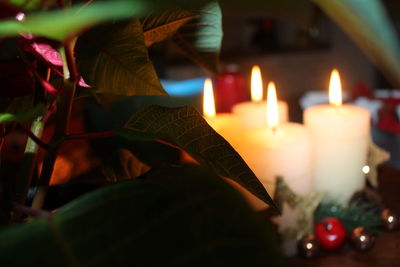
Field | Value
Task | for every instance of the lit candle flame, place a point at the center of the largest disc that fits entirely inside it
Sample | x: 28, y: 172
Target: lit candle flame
x: 208, y: 99
x: 272, y: 107
x: 335, y: 89
x: 256, y: 84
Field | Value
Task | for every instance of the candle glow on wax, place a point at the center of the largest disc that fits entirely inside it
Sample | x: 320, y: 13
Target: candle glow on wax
x: 272, y: 107
x: 251, y: 114
x: 335, y: 89
x: 340, y: 134
x: 208, y: 99
x: 256, y: 84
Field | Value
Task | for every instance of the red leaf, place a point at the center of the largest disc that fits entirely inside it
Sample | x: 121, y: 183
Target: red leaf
x: 48, y: 53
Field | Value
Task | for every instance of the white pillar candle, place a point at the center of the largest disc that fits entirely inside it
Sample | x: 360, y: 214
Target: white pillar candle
x: 278, y: 149
x: 282, y: 149
x: 340, y: 135
x: 284, y: 152
x: 227, y: 125
x: 252, y: 113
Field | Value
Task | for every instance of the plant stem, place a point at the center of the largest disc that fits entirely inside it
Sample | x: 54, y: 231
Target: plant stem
x: 70, y: 67
x: 167, y: 143
x: 62, y: 118
x: 33, y: 136
x: 2, y: 136
x: 24, y: 177
x: 35, y: 213
x: 85, y: 4
x: 91, y: 135
x: 52, y: 109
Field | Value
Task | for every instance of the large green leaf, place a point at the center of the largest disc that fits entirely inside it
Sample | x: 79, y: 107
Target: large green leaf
x: 60, y: 24
x: 162, y: 25
x: 114, y: 60
x: 172, y: 217
x: 367, y: 23
x: 186, y: 128
x: 200, y: 39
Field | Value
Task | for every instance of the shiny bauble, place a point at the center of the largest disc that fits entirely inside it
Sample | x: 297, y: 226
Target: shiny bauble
x: 390, y: 219
x: 362, y: 239
x: 308, y: 247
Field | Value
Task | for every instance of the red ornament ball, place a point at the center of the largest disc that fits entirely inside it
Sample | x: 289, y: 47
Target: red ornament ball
x: 331, y: 233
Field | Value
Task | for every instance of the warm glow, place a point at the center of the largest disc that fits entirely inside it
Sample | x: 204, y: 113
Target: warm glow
x: 208, y: 99
x: 335, y: 89
x: 272, y: 106
x: 256, y: 84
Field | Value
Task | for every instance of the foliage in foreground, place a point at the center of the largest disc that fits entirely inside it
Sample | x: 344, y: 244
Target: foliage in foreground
x: 172, y: 216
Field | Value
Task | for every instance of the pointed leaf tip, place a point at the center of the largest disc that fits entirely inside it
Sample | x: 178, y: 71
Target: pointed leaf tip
x: 186, y: 128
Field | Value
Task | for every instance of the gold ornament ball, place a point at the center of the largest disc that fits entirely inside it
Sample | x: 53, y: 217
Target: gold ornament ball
x: 308, y: 246
x: 390, y: 219
x: 362, y: 239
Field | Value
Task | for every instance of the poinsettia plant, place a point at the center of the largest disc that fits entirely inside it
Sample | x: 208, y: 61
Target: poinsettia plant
x: 53, y: 52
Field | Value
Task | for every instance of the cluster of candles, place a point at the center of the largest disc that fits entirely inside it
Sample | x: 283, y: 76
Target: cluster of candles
x: 326, y: 154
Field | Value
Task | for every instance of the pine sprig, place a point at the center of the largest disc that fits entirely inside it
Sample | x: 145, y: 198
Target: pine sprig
x: 355, y: 215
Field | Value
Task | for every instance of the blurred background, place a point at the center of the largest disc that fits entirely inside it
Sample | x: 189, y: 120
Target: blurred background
x: 297, y: 54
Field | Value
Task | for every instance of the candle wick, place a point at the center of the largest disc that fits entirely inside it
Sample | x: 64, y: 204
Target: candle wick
x: 274, y: 130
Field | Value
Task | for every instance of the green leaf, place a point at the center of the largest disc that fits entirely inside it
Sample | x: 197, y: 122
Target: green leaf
x: 160, y: 26
x: 23, y: 116
x: 172, y: 217
x: 367, y: 23
x: 200, y: 39
x: 33, y: 4
x: 354, y: 215
x: 60, y: 24
x: 114, y: 60
x: 186, y: 128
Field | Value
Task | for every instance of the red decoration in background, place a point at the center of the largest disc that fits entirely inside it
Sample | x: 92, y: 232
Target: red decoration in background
x: 361, y: 90
x: 230, y: 88
x: 331, y: 233
x: 388, y: 119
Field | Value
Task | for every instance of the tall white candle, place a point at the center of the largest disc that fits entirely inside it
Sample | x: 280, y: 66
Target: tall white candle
x: 340, y: 135
x: 252, y: 113
x: 282, y: 149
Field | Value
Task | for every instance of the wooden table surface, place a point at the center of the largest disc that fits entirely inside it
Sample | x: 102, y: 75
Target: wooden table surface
x: 386, y: 251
